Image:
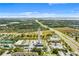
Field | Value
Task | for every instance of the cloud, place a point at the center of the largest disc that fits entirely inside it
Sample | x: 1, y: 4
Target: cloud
x: 28, y: 14
x: 50, y: 4
x: 36, y: 14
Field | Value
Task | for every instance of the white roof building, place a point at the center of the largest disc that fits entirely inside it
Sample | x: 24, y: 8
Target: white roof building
x: 61, y: 53
x: 19, y: 42
x: 57, y: 45
x: 54, y: 39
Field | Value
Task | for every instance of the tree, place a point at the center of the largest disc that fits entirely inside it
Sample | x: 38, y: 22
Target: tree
x: 44, y: 48
x: 55, y: 51
x: 38, y: 50
x: 18, y: 50
x: 22, y: 35
x: 2, y: 51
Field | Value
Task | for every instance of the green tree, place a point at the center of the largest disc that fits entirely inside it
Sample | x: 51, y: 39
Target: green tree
x: 55, y: 51
x: 38, y: 50
x: 18, y: 50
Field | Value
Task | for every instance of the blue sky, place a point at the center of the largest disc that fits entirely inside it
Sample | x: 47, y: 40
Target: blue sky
x: 39, y: 9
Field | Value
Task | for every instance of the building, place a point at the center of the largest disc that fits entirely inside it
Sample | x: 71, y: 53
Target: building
x: 6, y: 43
x: 61, y: 53
x: 54, y: 39
x: 22, y: 44
x: 56, y: 46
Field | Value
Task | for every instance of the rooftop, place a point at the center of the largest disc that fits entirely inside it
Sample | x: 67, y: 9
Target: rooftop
x: 57, y: 45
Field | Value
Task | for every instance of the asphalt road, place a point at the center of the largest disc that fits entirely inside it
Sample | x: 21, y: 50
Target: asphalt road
x: 72, y: 43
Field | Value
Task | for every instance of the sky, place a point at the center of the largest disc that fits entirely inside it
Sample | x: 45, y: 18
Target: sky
x: 39, y: 9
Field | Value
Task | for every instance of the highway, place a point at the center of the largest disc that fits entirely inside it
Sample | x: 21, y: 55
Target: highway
x: 72, y: 43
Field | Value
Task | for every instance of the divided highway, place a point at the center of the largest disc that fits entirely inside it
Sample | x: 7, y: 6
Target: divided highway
x: 72, y: 43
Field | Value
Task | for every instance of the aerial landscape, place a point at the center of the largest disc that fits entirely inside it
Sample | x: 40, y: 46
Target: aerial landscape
x: 47, y: 30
